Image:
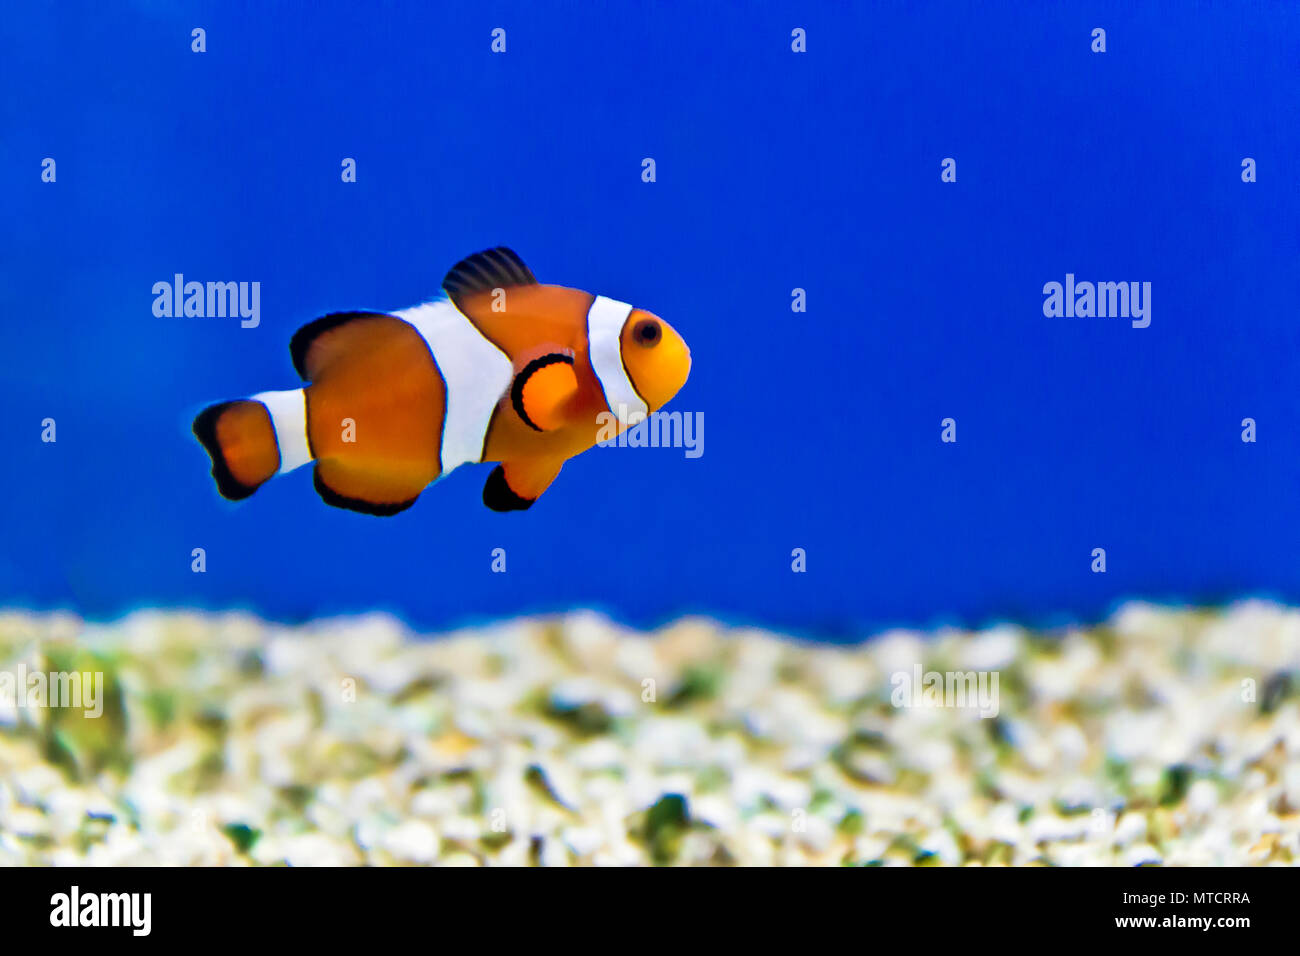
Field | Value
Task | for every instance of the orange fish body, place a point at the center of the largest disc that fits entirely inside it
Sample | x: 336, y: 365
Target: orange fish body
x: 502, y: 370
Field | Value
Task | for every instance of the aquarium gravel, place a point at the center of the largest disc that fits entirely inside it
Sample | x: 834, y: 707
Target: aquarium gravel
x: 1161, y: 737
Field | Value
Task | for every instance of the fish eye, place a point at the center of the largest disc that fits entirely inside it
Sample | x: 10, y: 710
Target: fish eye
x: 646, y: 332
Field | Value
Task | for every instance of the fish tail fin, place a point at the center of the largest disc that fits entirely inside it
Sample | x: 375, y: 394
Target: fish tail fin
x: 251, y: 440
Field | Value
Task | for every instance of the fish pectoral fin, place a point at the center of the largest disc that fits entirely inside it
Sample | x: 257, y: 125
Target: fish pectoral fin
x: 543, y: 389
x: 515, y: 485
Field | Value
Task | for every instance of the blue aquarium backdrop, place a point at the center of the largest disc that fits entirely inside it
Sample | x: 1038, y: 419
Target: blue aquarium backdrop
x: 854, y: 213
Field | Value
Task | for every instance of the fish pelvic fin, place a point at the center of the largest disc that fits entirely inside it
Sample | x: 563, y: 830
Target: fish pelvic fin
x: 516, y: 485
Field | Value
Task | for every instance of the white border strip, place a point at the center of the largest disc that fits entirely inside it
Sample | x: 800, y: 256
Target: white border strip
x: 289, y: 419
x: 475, y: 372
x: 605, y: 321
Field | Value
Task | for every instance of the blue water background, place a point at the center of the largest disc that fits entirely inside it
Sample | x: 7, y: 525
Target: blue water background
x: 775, y: 170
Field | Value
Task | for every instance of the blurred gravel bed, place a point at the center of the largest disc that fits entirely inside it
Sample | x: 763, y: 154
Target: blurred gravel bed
x: 1164, y: 736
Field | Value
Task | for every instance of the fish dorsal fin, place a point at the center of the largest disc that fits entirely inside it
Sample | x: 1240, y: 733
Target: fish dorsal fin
x: 497, y: 268
x: 319, y: 343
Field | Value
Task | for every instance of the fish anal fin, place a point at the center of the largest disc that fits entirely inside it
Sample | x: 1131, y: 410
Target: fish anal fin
x: 543, y: 389
x: 516, y: 485
x: 498, y: 268
x: 370, y: 492
x: 316, y: 345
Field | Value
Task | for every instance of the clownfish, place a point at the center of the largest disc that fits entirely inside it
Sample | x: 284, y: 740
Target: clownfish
x: 500, y: 369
